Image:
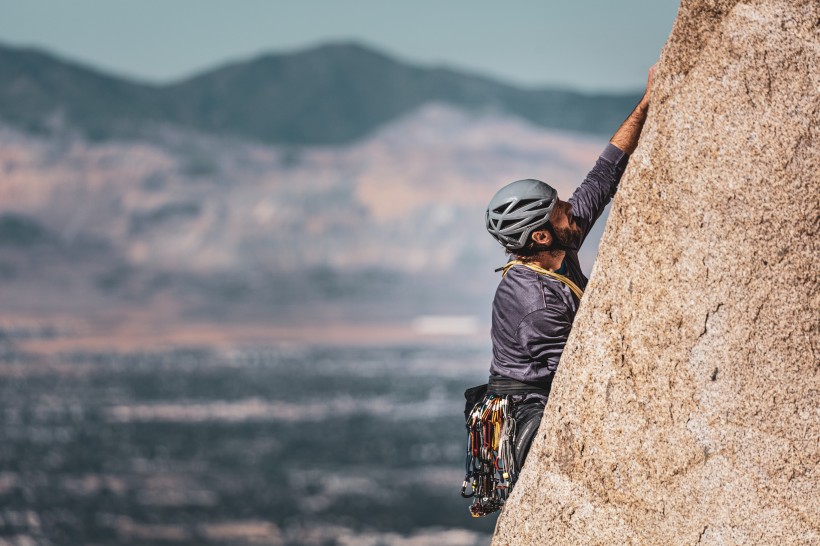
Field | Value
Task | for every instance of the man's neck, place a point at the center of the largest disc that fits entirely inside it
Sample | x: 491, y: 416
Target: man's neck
x: 548, y: 260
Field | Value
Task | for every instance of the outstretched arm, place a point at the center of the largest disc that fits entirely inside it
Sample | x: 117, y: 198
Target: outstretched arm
x: 627, y: 135
x: 589, y: 199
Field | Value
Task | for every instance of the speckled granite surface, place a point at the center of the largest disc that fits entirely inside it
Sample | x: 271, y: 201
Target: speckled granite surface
x: 686, y: 409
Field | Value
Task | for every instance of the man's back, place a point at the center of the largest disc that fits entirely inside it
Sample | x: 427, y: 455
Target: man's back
x: 526, y: 301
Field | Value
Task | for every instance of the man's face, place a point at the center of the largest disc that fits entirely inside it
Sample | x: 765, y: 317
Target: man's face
x: 567, y: 231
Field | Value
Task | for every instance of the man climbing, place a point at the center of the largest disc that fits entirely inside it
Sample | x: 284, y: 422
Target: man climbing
x: 533, y: 310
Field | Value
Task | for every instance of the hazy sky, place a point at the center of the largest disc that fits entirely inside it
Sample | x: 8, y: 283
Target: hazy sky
x: 585, y: 44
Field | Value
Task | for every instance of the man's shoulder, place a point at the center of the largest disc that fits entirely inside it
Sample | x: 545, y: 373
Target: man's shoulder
x: 530, y: 291
x: 525, y: 291
x: 523, y: 278
x: 520, y: 287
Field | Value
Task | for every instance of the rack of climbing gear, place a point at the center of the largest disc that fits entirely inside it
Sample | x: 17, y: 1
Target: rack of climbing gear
x: 490, y: 466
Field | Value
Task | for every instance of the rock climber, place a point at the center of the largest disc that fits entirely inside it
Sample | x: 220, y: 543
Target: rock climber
x: 534, y: 307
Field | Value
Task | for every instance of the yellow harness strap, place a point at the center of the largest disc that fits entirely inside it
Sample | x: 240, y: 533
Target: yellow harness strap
x: 538, y: 269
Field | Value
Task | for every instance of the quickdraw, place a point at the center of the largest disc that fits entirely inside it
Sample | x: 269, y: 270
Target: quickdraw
x: 490, y: 466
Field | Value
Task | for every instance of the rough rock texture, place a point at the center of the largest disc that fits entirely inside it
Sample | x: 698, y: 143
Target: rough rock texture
x: 686, y: 409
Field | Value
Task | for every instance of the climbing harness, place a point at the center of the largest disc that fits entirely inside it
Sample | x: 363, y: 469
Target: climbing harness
x: 538, y: 269
x: 490, y: 467
x: 499, y: 432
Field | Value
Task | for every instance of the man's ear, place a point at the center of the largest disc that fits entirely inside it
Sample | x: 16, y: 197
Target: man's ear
x: 542, y: 237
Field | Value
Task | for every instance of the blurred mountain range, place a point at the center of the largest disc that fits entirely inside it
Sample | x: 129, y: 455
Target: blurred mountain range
x: 333, y: 184
x: 327, y: 95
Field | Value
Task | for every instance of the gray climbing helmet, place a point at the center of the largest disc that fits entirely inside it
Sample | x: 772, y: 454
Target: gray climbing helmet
x: 518, y: 209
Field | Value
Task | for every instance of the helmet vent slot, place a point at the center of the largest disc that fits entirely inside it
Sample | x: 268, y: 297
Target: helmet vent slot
x: 525, y: 203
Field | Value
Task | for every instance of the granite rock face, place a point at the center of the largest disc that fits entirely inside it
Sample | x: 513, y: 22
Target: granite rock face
x: 687, y: 406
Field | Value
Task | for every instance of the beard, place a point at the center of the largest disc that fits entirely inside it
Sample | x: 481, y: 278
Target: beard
x: 569, y: 237
x: 563, y: 239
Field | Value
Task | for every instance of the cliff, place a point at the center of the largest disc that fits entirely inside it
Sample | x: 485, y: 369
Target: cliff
x: 685, y: 409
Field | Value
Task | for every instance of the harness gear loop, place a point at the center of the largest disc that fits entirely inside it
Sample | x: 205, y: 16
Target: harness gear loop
x: 538, y: 269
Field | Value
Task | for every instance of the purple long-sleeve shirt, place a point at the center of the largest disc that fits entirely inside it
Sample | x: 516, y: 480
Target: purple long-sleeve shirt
x: 533, y: 313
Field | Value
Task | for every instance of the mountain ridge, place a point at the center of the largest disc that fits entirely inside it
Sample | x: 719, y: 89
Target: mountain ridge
x: 330, y: 94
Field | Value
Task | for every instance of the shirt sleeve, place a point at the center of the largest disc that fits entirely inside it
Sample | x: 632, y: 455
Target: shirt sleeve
x: 598, y: 188
x: 543, y: 334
